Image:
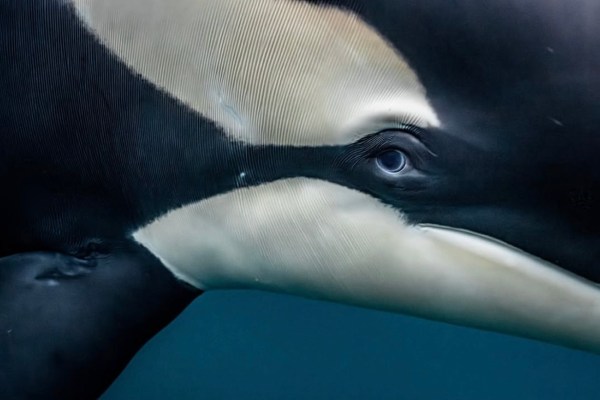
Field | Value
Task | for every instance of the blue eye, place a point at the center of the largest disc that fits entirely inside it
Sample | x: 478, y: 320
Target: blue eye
x: 391, y: 161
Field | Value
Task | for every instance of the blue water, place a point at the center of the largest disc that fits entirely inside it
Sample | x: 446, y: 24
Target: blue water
x: 249, y: 345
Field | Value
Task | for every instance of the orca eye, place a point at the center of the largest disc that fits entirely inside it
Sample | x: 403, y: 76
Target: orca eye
x: 391, y: 161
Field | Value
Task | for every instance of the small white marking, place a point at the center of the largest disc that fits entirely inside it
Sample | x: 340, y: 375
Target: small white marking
x: 550, y: 50
x: 556, y: 122
x: 242, y: 175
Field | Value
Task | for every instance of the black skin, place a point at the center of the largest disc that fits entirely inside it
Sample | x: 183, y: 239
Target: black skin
x: 89, y: 153
x: 71, y: 323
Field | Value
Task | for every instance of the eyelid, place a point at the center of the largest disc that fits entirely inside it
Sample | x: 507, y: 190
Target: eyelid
x: 407, y: 140
x: 393, y: 140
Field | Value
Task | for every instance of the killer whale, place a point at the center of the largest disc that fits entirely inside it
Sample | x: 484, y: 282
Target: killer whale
x: 121, y: 178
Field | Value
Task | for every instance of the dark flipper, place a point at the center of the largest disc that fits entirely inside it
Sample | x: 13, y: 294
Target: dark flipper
x: 70, y: 324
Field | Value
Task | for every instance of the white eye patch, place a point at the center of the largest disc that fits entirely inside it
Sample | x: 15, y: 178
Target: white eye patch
x: 267, y: 71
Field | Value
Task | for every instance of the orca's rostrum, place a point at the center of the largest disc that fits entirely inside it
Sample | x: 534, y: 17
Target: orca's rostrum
x: 432, y: 158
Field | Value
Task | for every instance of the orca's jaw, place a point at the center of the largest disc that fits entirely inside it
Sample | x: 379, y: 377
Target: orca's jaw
x: 320, y: 240
x: 294, y: 75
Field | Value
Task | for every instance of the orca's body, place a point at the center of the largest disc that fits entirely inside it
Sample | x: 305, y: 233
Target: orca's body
x: 367, y: 152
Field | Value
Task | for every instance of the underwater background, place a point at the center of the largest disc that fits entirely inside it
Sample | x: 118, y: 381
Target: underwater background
x: 253, y: 345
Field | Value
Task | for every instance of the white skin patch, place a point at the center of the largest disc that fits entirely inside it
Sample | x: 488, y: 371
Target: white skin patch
x: 267, y: 71
x: 317, y: 239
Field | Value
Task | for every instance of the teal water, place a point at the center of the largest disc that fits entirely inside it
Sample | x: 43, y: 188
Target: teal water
x: 249, y: 345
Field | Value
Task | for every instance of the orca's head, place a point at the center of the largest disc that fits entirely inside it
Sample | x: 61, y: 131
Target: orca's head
x: 432, y: 158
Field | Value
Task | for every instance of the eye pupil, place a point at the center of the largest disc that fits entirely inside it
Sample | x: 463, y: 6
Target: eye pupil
x: 391, y: 161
